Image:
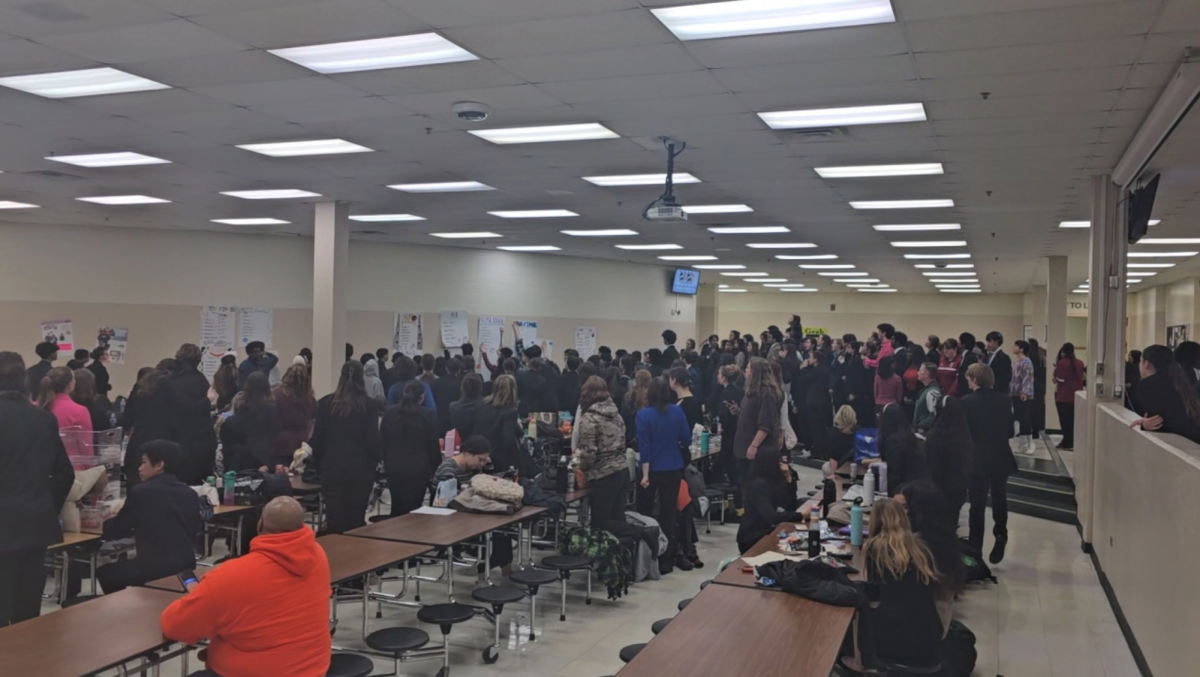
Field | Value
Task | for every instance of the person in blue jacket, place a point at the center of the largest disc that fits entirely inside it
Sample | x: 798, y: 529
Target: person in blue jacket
x: 406, y: 370
x: 662, y: 430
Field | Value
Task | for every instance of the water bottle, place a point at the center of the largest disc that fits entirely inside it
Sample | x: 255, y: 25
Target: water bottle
x: 210, y: 481
x: 704, y: 441
x: 883, y: 484
x: 869, y: 488
x: 853, y: 472
x: 229, y: 478
x: 829, y: 496
x: 814, y: 534
x: 856, y: 523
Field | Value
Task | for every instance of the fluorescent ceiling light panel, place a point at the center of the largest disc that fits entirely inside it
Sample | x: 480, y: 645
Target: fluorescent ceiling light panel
x: 687, y: 258
x: 1154, y: 222
x: 1169, y: 240
x: 730, y: 290
x: 602, y: 232
x: 941, y: 266
x: 916, y: 227
x: 844, y: 274
x: 953, y: 280
x: 442, y: 187
x: 535, y: 214
x: 648, y: 247
x: 466, y: 236
x: 402, y: 51
x: 99, y: 160
x: 384, y: 218
x: 270, y: 194
x: 251, y: 222
x: 827, y: 266
x: 9, y: 204
x: 640, y: 179
x: 843, y: 117
x: 950, y: 274
x: 1149, y: 265
x: 88, y: 82
x: 301, y: 148
x: 722, y: 286
x: 123, y: 200
x: 748, y: 230
x: 532, y: 248
x: 1160, y: 255
x: 806, y: 257
x: 930, y: 243
x: 902, y: 204
x: 869, y: 171
x: 746, y: 274
x: 720, y: 266
x: 782, y: 245
x: 769, y: 279
x: 1140, y: 273
x: 920, y: 257
x: 1075, y: 224
x: 857, y: 279
x: 1079, y: 291
x: 867, y: 286
x: 877, y: 289
x: 584, y: 132
x: 716, y: 209
x: 960, y: 291
x: 797, y: 289
x: 756, y: 17
x: 781, y: 286
x: 957, y: 286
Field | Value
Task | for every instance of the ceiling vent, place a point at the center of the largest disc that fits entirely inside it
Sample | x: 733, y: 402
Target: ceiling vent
x: 827, y: 134
x: 369, y: 232
x: 51, y: 174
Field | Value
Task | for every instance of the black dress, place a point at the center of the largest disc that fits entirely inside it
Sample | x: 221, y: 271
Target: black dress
x: 410, y: 455
x: 196, y: 436
x: 246, y: 438
x: 151, y: 417
x: 346, y: 451
x: 905, y: 627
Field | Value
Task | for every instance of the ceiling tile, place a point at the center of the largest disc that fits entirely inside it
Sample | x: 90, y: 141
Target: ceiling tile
x: 250, y: 65
x: 1029, y: 58
x: 295, y: 90
x: 562, y: 35
x: 19, y: 56
x: 796, y: 77
x: 174, y: 39
x: 916, y: 10
x: 1064, y: 24
x: 497, y: 98
x: 312, y: 23
x: 439, y: 78
x: 801, y: 47
x: 602, y: 64
x: 460, y: 13
x: 645, y: 87
x: 330, y: 111
x: 42, y: 18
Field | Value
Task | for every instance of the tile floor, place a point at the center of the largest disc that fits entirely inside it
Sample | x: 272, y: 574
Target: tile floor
x: 1047, y: 617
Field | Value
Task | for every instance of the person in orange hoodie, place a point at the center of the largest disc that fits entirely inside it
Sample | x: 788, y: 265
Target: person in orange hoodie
x: 266, y: 613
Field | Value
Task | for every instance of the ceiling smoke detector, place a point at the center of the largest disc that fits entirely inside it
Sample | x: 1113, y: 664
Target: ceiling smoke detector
x: 471, y: 111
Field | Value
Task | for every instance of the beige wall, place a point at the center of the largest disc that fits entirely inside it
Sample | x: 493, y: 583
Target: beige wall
x: 1181, y: 305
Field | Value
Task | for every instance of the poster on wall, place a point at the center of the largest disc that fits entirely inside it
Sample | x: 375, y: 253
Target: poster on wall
x: 454, y: 328
x: 217, y: 327
x: 61, y: 332
x: 1027, y: 332
x: 406, y: 334
x: 491, y: 338
x: 815, y: 331
x: 115, y: 341
x: 1176, y: 334
x: 525, y: 331
x: 585, y: 342
x: 255, y: 324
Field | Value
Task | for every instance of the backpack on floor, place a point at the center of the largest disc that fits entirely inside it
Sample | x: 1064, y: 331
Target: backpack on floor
x: 958, y: 651
x: 866, y: 444
x: 974, y: 567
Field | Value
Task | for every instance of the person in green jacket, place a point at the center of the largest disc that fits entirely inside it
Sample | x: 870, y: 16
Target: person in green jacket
x: 927, y: 401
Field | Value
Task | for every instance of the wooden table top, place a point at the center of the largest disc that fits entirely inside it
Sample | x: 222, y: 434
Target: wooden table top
x: 577, y: 495
x: 71, y: 539
x: 172, y: 584
x: 441, y: 530
x: 299, y: 486
x: 728, y: 630
x: 223, y: 509
x: 351, y: 558
x: 86, y: 638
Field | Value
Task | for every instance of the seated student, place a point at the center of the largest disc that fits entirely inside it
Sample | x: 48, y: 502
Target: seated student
x: 930, y: 519
x: 473, y: 456
x: 267, y: 612
x: 900, y: 448
x: 841, y: 440
x: 161, y: 514
x: 770, y: 498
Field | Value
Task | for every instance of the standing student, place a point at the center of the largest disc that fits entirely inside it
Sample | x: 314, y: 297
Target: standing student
x: 80, y: 360
x: 150, y: 414
x: 296, y: 408
x: 1037, y: 408
x: 758, y: 424
x: 732, y: 391
x: 225, y: 384
x: 257, y: 359
x: 247, y: 436
x: 1166, y: 400
x: 55, y: 397
x: 96, y: 366
x: 900, y: 448
x: 929, y: 398
x: 35, y: 478
x: 196, y: 436
x: 948, y: 455
x: 661, y: 431
x: 446, y: 391
x: 84, y: 394
x: 601, y: 453
x: 405, y: 370
x: 409, y: 436
x: 1021, y: 391
x: 815, y: 382
x: 372, y: 381
x: 47, y: 352
x: 889, y: 389
x: 990, y: 421
x: 496, y: 420
x: 462, y: 410
x: 999, y: 361
x: 346, y: 449
x: 1068, y: 379
x: 681, y: 385
x: 947, y: 371
x: 770, y: 498
x: 966, y: 348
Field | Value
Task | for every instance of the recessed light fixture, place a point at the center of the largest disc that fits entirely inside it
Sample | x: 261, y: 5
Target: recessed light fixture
x: 687, y: 258
x: 466, y: 236
x: 648, y: 247
x: 123, y: 200
x: 1169, y: 240
x: 531, y: 248
x: 1075, y: 224
x: 769, y: 279
x: 843, y: 117
x: 877, y: 289
x: 9, y: 204
x: 640, y: 179
x: 782, y: 245
x: 867, y: 286
x: 748, y: 230
x: 806, y: 257
x: 584, y: 132
x: 930, y: 243
x: 720, y: 266
x: 1149, y: 265
x: 956, y: 286
x: 442, y: 187
x: 780, y: 286
x: 271, y: 194
x: 827, y: 266
x: 797, y: 289
x: 384, y: 218
x: 602, y: 232
x: 856, y: 279
x: 420, y: 49
x: 87, y: 82
x: 731, y: 290
x: 940, y: 266
x: 722, y: 286
x: 915, y: 227
x: 716, y: 209
x: 870, y: 171
x: 920, y: 257
x: 1140, y: 273
x: 960, y: 291
x: 301, y: 148
x: 746, y: 274
x: 950, y: 274
x: 98, y: 160
x: 265, y: 221
x: 1153, y: 222
x: 936, y: 280
x: 902, y: 204
x: 756, y: 17
x: 1080, y: 291
x: 842, y: 273
x: 1160, y: 255
x: 535, y: 214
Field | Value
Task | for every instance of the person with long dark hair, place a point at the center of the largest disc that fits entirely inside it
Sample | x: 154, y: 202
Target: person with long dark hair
x: 197, y: 439
x: 948, y: 455
x: 1021, y: 391
x: 496, y: 419
x: 661, y: 431
x: 926, y: 507
x: 410, y: 449
x: 297, y: 407
x: 1187, y: 356
x: 1037, y: 409
x: 1166, y: 400
x: 759, y: 420
x: 1068, y: 378
x: 601, y: 453
x: 889, y: 388
x: 84, y: 394
x: 225, y: 383
x: 99, y: 357
x: 346, y: 449
x: 770, y: 498
x: 246, y: 436
x: 900, y: 449
x: 1133, y: 374
x: 462, y: 410
x: 150, y: 414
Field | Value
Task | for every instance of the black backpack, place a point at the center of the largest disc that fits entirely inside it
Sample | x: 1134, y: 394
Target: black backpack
x: 958, y: 651
x: 252, y: 487
x: 975, y: 569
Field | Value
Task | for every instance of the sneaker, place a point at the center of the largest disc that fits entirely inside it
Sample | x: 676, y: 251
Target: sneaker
x: 683, y: 564
x: 998, y: 550
x: 697, y: 563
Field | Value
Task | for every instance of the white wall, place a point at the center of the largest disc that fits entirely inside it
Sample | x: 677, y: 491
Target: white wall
x: 1181, y: 305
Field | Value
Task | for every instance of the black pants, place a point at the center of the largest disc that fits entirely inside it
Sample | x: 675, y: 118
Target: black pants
x: 1021, y: 415
x: 22, y: 578
x: 742, y: 466
x: 197, y: 464
x: 1066, y: 421
x: 819, y: 421
x: 1037, y: 416
x: 407, y: 491
x: 664, y: 485
x: 121, y: 574
x: 346, y: 503
x: 607, y: 502
x: 981, y: 485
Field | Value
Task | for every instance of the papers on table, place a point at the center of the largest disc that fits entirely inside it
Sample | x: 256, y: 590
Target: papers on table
x: 430, y: 510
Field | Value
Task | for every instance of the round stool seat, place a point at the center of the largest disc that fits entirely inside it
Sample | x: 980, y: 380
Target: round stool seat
x: 446, y: 614
x: 684, y: 603
x: 659, y: 625
x: 566, y: 562
x: 907, y: 668
x: 349, y: 665
x: 497, y: 594
x: 534, y: 577
x: 397, y: 640
x: 704, y: 584
x: 629, y: 652
x: 78, y: 599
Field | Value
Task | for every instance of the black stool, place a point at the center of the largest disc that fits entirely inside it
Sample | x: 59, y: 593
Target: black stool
x: 350, y: 665
x: 659, y: 625
x: 893, y: 668
x: 533, y: 579
x: 565, y: 564
x: 684, y: 602
x: 630, y: 652
x: 497, y: 596
x: 704, y: 584
x: 397, y: 642
x: 445, y: 616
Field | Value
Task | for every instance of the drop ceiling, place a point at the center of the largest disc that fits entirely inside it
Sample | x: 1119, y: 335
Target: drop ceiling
x: 1067, y: 82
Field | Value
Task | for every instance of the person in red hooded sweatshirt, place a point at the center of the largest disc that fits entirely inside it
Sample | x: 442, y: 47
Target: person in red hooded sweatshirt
x: 266, y: 613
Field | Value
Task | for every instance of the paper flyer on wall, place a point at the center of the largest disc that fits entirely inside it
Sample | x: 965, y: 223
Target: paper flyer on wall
x: 585, y: 341
x: 526, y: 330
x: 255, y: 324
x: 406, y: 334
x: 491, y: 338
x: 454, y: 328
x: 61, y: 332
x: 115, y: 341
x: 217, y: 327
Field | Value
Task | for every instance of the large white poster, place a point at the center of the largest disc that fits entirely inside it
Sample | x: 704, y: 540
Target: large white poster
x: 454, y: 328
x: 115, y: 341
x: 61, y: 332
x: 491, y: 338
x: 406, y: 334
x: 218, y: 325
x: 585, y: 341
x: 255, y: 324
x: 526, y: 332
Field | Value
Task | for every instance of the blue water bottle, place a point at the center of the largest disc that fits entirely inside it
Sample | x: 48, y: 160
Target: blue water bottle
x: 856, y: 523
x: 229, y: 482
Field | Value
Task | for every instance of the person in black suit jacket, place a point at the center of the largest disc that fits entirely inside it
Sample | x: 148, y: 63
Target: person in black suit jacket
x: 534, y: 393
x: 989, y: 416
x: 162, y: 515
x: 195, y: 434
x: 35, y: 478
x: 47, y: 353
x: 1000, y: 363
x: 670, y: 353
x: 446, y: 391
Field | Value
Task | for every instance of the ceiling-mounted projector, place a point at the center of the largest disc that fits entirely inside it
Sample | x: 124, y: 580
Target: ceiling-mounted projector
x: 666, y: 214
x: 664, y: 209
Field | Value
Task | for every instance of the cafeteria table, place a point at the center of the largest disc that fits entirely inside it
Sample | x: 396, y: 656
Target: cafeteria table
x: 70, y: 542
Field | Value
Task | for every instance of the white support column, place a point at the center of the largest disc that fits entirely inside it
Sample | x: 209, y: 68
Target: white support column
x: 331, y: 256
x: 1056, y: 325
x: 707, y: 308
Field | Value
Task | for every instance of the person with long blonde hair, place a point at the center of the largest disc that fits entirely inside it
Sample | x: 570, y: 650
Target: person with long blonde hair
x: 496, y: 419
x: 55, y: 397
x: 840, y: 444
